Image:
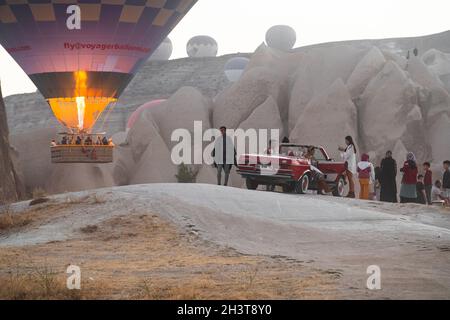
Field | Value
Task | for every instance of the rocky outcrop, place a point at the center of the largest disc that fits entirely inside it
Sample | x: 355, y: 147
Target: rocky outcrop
x: 318, y: 70
x: 364, y: 71
x: 266, y: 116
x: 155, y: 165
x: 439, y: 63
x: 11, y: 188
x: 123, y: 165
x: 315, y: 94
x: 139, y: 137
x: 180, y: 111
x: 78, y: 177
x: 236, y: 103
x: 34, y: 156
x: 145, y: 158
x: 327, y: 119
x: 439, y: 138
x: 389, y: 112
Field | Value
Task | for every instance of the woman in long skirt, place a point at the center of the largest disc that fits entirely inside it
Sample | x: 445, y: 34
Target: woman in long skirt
x: 408, y: 191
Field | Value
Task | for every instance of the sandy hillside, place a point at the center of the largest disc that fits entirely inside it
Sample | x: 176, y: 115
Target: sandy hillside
x: 201, y: 241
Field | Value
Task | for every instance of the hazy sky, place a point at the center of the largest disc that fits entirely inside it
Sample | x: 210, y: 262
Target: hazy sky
x: 240, y: 25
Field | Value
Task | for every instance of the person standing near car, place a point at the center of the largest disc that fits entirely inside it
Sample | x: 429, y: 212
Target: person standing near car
x: 272, y: 149
x: 428, y: 180
x: 388, y: 179
x: 408, y: 192
x: 224, y: 155
x: 366, y: 176
x: 348, y: 154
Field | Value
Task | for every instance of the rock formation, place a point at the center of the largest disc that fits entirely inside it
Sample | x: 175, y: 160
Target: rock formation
x: 327, y: 119
x: 315, y: 95
x: 10, y: 185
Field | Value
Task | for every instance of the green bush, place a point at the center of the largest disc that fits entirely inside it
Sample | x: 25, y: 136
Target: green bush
x: 186, y: 174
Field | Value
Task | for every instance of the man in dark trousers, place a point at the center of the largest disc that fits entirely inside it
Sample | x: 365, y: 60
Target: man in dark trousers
x: 446, y: 179
x: 428, y: 180
x: 224, y: 155
x: 388, y: 182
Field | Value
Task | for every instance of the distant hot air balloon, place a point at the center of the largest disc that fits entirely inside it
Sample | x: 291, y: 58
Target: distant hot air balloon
x: 136, y: 114
x: 80, y: 68
x: 235, y: 67
x: 163, y: 52
x: 281, y: 37
x: 201, y: 47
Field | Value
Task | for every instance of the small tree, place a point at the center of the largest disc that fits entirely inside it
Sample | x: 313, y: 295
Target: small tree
x: 186, y: 174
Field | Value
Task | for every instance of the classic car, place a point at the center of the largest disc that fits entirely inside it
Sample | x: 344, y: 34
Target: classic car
x: 293, y: 169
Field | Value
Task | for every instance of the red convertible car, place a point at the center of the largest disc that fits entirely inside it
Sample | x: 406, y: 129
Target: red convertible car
x: 294, y: 169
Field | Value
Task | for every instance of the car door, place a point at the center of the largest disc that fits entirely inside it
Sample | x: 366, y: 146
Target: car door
x: 326, y: 165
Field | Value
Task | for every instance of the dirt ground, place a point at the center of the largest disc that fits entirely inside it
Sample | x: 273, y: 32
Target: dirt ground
x: 178, y: 241
x: 142, y: 256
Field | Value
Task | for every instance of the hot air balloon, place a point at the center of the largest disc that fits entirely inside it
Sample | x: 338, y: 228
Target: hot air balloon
x: 235, y: 67
x: 201, y: 47
x: 81, y: 54
x: 281, y: 37
x: 163, y: 52
x: 136, y: 114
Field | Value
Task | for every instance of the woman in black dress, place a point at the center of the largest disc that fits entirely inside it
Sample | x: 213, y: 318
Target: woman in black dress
x: 388, y: 181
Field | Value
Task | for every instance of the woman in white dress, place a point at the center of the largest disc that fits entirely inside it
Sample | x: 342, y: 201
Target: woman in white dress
x: 348, y: 154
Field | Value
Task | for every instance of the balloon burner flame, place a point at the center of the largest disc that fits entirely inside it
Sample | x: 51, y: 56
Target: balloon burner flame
x: 81, y: 107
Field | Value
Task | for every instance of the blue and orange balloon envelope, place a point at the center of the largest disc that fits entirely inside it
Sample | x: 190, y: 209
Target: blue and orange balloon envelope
x: 80, y: 71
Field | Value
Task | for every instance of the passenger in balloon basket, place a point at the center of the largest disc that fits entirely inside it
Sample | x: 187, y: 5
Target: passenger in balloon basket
x: 88, y: 141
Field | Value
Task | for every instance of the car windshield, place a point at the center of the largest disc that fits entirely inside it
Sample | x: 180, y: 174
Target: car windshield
x: 293, y: 151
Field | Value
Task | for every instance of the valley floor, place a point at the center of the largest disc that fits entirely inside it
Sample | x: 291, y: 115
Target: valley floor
x: 181, y: 241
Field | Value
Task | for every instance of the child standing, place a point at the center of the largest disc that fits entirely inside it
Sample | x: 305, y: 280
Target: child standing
x: 366, y: 175
x: 420, y: 189
x: 428, y: 180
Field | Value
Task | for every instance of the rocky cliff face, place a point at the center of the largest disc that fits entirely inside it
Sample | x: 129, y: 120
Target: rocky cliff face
x: 10, y: 185
x: 315, y: 95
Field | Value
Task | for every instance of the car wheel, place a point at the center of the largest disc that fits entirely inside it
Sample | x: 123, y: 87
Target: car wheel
x: 339, y: 189
x: 302, y: 185
x: 251, y: 184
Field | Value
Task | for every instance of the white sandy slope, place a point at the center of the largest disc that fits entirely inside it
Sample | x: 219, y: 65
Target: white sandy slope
x: 410, y: 243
